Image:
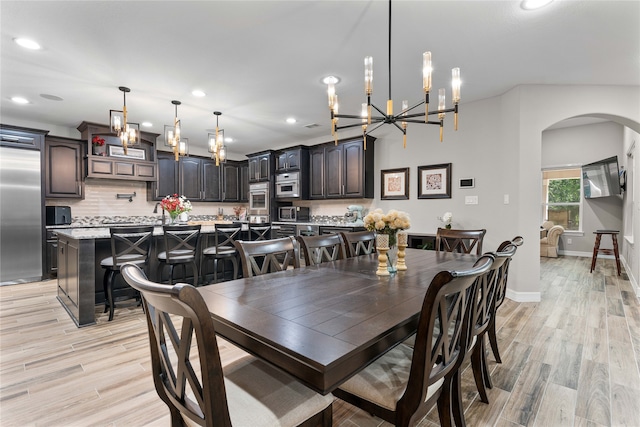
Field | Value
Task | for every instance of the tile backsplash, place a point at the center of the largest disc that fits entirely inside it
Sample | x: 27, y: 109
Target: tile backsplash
x: 101, y: 200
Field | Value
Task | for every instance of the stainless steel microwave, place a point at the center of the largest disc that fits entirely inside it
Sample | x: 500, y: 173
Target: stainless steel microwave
x: 288, y: 185
x: 293, y: 213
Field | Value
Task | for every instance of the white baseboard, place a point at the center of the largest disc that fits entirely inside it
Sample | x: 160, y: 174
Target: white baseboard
x: 522, y: 296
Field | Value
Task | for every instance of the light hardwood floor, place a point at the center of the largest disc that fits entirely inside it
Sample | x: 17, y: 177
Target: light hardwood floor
x: 572, y: 359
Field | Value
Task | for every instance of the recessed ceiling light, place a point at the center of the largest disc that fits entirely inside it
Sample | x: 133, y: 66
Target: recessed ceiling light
x: 20, y: 100
x: 291, y: 120
x: 331, y: 79
x: 198, y: 93
x: 227, y: 140
x: 534, y: 4
x: 147, y: 124
x: 27, y: 43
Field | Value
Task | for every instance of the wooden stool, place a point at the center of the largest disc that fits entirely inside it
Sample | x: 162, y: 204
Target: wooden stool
x: 614, y: 251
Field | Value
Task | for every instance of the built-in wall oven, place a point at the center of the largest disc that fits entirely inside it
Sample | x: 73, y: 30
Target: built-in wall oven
x: 259, y: 201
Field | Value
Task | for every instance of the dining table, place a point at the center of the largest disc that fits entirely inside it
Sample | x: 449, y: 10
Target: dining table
x: 324, y: 323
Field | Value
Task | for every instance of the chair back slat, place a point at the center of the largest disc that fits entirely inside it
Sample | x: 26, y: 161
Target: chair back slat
x: 268, y: 256
x: 322, y: 248
x: 176, y: 315
x: 463, y: 241
x: 359, y: 242
x: 226, y: 234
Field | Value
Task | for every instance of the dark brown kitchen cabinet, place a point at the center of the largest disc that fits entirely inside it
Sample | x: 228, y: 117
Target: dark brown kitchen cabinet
x: 167, y: 181
x: 190, y: 178
x: 211, y: 188
x: 261, y: 166
x: 63, y: 165
x: 244, y: 182
x: 51, y: 259
x: 231, y: 181
x: 292, y: 159
x: 316, y: 171
x: 346, y: 173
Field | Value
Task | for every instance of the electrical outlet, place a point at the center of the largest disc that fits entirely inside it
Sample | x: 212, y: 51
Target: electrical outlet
x: 471, y: 200
x: 569, y: 241
x: 506, y: 199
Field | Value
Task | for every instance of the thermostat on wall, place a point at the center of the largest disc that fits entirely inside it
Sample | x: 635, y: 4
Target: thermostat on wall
x: 467, y: 182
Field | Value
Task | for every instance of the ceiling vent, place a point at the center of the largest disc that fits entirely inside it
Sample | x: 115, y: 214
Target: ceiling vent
x: 312, y: 125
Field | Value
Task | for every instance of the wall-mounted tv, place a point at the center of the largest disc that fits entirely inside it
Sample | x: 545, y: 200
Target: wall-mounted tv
x: 601, y: 178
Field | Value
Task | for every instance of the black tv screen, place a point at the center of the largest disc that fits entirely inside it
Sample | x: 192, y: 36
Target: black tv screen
x: 601, y: 179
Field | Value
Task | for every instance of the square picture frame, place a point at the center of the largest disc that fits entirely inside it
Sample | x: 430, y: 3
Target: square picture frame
x: 394, y: 184
x: 132, y: 153
x: 434, y: 181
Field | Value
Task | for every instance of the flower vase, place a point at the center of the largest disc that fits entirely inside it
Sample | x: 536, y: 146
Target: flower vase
x: 448, y: 226
x: 173, y: 218
x: 99, y: 150
x: 392, y: 259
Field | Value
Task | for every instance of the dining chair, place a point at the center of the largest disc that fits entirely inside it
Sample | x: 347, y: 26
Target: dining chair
x: 268, y: 256
x: 260, y: 231
x: 501, y: 290
x: 402, y: 385
x: 181, y: 244
x: 463, y: 241
x: 322, y: 248
x: 128, y: 244
x: 196, y: 387
x: 222, y: 250
x: 481, y: 317
x: 359, y: 242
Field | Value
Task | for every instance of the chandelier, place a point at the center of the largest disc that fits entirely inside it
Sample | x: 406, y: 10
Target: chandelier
x: 127, y: 132
x: 172, y: 138
x: 216, y: 143
x: 371, y: 122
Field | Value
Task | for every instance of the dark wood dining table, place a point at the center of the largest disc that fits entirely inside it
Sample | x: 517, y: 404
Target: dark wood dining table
x: 324, y: 323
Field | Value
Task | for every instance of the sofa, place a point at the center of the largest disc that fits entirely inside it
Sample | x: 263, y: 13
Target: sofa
x: 549, y: 244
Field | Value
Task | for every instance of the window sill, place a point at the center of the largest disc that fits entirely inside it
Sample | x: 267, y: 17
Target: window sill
x: 576, y: 233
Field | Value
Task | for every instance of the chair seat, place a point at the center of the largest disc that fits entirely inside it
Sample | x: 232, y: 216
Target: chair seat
x: 220, y: 251
x: 260, y: 395
x: 179, y: 256
x: 110, y: 262
x: 384, y: 381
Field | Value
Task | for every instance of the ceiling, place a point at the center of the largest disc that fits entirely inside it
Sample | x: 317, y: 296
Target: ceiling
x: 260, y: 62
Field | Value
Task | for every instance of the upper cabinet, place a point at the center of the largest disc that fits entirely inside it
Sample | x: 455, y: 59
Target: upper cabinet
x: 109, y: 161
x: 63, y: 168
x: 292, y: 159
x: 261, y: 166
x: 342, y: 171
x: 167, y: 181
x: 199, y: 179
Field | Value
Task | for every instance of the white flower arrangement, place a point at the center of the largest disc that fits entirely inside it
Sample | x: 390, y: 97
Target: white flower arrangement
x: 446, y: 219
x: 389, y: 223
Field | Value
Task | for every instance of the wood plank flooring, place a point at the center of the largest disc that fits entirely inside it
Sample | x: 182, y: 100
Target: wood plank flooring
x: 572, y: 359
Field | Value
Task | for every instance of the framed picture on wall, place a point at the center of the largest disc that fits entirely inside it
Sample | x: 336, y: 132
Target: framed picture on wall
x: 394, y: 184
x: 434, y: 181
x: 132, y: 153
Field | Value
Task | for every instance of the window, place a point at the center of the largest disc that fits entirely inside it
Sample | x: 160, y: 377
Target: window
x: 561, y: 197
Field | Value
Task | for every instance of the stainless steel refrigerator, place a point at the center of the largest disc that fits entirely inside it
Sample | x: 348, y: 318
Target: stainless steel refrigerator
x: 20, y: 215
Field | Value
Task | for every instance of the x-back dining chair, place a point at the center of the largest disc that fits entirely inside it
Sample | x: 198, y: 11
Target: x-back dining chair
x: 197, y: 388
x: 501, y: 290
x: 359, y: 242
x: 453, y: 240
x: 322, y: 248
x: 405, y: 383
x: 268, y: 256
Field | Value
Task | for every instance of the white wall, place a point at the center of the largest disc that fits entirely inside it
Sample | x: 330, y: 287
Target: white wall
x: 579, y: 145
x: 630, y: 252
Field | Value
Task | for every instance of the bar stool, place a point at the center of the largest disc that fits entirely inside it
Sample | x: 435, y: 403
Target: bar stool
x: 223, y: 249
x: 181, y: 243
x: 128, y: 244
x: 597, y: 249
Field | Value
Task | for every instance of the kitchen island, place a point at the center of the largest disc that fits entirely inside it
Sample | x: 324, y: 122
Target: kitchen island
x: 80, y: 276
